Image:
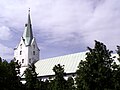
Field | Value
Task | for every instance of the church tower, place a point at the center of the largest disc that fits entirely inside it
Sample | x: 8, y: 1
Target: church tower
x: 27, y: 51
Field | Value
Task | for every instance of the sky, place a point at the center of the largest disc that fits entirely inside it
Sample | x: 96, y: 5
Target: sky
x: 60, y: 26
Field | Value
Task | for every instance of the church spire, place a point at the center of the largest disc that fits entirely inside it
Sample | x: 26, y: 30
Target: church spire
x: 28, y: 35
x: 29, y: 20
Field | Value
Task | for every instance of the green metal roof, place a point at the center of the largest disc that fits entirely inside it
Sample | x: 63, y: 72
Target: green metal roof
x: 44, y: 67
x: 28, y: 35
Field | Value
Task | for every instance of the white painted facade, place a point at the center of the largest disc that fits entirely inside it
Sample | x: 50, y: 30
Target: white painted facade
x: 27, y: 51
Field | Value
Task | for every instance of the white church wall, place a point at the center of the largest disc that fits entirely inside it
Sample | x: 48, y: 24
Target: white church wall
x: 21, y: 54
x: 33, y: 52
x: 24, y: 54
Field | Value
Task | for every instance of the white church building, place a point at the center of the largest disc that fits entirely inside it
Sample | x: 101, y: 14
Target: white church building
x: 27, y: 52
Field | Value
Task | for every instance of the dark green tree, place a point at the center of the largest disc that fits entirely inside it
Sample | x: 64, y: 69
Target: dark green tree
x: 116, y: 71
x: 45, y: 85
x: 9, y: 75
x: 31, y: 78
x: 70, y: 84
x: 4, y: 74
x: 13, y: 76
x: 95, y: 73
x: 59, y: 81
x: 51, y: 84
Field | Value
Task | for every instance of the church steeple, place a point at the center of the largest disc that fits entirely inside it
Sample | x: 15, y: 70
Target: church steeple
x: 27, y: 51
x: 28, y: 35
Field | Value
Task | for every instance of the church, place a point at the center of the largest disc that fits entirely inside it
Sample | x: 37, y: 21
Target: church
x: 27, y: 52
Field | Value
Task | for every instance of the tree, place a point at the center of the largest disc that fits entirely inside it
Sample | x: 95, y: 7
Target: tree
x: 45, y: 85
x: 70, y: 84
x: 9, y: 77
x: 116, y: 71
x: 59, y: 81
x: 95, y: 73
x: 14, y: 78
x: 3, y: 74
x: 31, y: 78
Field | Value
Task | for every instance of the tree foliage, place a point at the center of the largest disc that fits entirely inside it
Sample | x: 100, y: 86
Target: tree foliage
x: 59, y: 81
x: 70, y: 84
x: 9, y: 75
x: 99, y: 71
x: 116, y: 71
x: 95, y: 73
x: 31, y: 78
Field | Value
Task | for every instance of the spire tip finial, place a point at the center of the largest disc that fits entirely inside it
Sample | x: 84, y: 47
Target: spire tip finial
x: 29, y: 10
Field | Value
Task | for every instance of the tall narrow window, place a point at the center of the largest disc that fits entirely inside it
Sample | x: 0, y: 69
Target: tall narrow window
x: 30, y: 60
x: 20, y: 46
x: 34, y: 46
x: 20, y: 52
x: 22, y: 60
x: 33, y: 52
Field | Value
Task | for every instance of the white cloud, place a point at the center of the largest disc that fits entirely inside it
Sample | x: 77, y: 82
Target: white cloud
x: 6, y: 52
x: 5, y: 33
x: 104, y: 24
